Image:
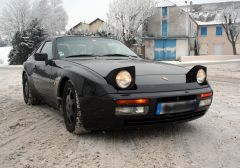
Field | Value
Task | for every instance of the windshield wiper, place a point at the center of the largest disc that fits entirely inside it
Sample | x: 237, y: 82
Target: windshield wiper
x: 82, y: 55
x: 120, y: 55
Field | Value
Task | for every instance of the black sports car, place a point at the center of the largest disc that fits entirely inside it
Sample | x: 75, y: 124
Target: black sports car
x: 100, y: 84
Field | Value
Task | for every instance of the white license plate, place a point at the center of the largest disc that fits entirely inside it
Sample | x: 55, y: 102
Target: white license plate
x: 176, y: 107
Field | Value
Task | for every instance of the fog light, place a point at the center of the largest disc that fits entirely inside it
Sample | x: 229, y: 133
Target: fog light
x: 205, y: 102
x: 131, y: 110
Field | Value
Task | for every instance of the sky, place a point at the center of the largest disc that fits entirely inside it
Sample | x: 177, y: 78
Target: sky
x: 88, y: 10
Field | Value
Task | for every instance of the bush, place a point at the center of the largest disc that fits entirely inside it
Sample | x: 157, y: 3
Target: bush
x: 25, y: 42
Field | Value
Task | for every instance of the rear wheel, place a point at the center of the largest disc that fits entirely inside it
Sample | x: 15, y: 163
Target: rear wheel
x: 71, y: 110
x: 27, y: 94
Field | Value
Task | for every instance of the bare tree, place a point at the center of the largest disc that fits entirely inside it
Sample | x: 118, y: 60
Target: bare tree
x: 15, y: 17
x: 127, y: 16
x: 52, y: 15
x: 231, y: 27
x: 58, y: 17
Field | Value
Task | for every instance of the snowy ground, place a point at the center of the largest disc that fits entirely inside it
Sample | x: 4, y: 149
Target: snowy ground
x: 4, y: 51
x: 34, y: 136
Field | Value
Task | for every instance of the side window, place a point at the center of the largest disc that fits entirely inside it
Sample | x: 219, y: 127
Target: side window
x: 203, y: 31
x: 164, y: 28
x: 219, y: 31
x: 164, y: 11
x: 47, y: 48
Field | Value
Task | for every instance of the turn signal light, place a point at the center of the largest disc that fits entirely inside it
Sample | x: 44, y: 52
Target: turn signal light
x: 133, y: 102
x: 205, y: 95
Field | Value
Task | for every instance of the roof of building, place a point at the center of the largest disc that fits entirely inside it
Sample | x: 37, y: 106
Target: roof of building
x: 80, y: 23
x: 165, y: 3
x: 212, y: 13
x: 216, y: 22
x: 95, y: 21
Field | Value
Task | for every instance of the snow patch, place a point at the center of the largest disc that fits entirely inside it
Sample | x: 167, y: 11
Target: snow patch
x: 165, y: 3
x: 4, y: 51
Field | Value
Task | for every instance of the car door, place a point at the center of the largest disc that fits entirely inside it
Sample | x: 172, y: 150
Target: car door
x: 42, y: 73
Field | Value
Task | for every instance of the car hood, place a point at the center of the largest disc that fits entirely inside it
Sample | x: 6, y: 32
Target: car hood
x: 143, y: 67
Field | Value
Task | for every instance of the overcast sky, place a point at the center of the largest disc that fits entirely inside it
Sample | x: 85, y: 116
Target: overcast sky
x: 88, y: 10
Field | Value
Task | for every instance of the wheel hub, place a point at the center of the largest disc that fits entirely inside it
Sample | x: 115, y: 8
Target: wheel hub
x: 70, y: 108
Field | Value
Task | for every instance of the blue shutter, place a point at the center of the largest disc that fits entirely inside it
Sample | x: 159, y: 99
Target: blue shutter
x: 164, y: 11
x: 218, y: 30
x: 164, y: 28
x: 203, y: 31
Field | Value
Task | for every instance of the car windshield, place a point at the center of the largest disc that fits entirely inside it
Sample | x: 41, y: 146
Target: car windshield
x: 88, y: 47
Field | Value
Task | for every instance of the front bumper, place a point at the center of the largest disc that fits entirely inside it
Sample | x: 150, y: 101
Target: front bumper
x: 98, y: 113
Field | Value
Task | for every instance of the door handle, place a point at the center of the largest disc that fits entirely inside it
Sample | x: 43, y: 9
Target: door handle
x: 35, y: 67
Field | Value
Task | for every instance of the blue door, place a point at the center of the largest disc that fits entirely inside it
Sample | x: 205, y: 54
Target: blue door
x: 165, y: 49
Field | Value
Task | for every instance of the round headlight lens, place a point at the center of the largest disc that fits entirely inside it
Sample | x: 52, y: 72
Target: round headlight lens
x: 123, y: 79
x: 201, y: 76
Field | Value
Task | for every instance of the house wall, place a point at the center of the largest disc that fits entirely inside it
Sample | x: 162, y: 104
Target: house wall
x: 182, y: 48
x: 149, y: 49
x: 95, y: 26
x: 213, y: 44
x: 180, y: 27
x: 177, y: 20
x: 89, y: 28
x: 83, y: 27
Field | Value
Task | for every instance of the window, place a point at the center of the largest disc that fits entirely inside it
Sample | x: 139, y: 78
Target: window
x: 164, y: 28
x: 47, y: 48
x: 218, y: 30
x: 203, y: 31
x: 164, y: 11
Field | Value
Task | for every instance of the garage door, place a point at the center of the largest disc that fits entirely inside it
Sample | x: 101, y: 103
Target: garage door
x: 165, y: 49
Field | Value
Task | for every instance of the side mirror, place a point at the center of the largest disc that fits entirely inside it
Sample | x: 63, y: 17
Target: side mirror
x: 41, y: 57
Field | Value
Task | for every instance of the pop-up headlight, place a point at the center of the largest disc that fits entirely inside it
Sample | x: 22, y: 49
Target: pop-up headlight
x: 122, y: 78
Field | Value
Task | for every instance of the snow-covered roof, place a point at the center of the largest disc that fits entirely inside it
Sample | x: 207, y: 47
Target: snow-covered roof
x: 165, y: 3
x: 209, y: 23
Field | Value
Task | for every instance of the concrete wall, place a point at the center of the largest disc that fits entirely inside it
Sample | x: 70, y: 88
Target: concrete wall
x: 209, y: 58
x: 215, y: 45
x: 179, y: 24
x: 182, y: 48
x: 149, y: 49
x: 180, y: 27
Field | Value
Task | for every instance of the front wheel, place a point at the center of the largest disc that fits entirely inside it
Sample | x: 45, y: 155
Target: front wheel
x: 71, y: 110
x: 27, y: 94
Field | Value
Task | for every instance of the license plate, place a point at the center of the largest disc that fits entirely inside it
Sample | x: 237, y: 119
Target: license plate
x: 175, y: 107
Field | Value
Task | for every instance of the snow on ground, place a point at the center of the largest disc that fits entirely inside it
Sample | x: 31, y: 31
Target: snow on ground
x: 35, y: 136
x: 4, y: 51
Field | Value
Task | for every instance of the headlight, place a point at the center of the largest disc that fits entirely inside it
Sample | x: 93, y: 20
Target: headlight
x: 201, y: 76
x: 123, y: 79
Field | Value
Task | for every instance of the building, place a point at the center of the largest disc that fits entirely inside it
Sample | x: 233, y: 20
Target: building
x: 213, y: 40
x: 169, y: 33
x: 85, y: 28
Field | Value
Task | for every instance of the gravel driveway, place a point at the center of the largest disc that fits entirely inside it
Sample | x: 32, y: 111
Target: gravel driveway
x: 35, y: 136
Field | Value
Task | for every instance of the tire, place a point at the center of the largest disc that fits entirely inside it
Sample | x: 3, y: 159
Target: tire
x: 29, y: 99
x: 71, y: 110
